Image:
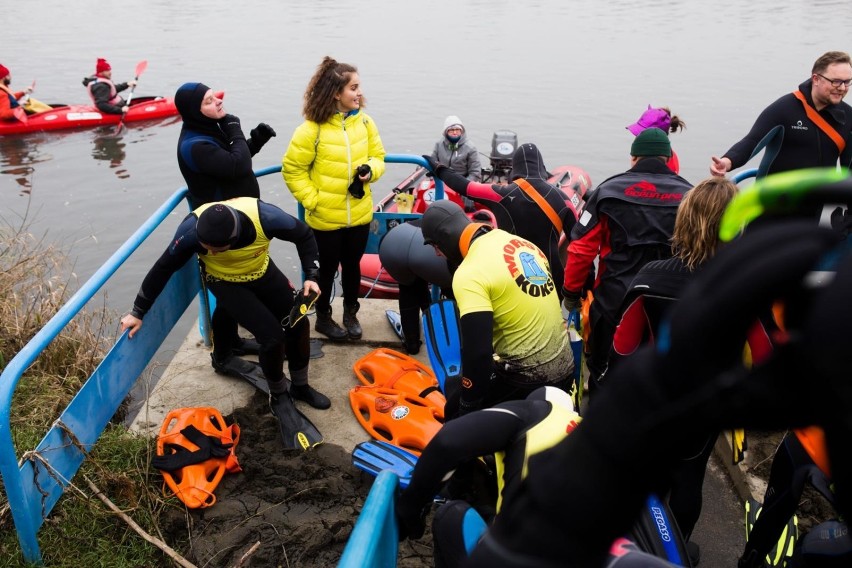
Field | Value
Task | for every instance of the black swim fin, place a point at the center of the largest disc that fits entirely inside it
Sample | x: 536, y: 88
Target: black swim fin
x: 301, y: 306
x: 297, y: 432
x: 376, y: 456
x: 240, y: 368
x: 443, y: 340
x: 782, y: 552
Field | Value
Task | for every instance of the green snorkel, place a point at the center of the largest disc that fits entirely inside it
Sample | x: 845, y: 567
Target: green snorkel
x: 782, y: 193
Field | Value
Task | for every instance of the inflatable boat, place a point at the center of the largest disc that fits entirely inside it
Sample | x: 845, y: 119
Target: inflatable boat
x: 417, y: 191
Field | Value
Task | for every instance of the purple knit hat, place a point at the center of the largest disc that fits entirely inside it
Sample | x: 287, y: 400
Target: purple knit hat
x: 651, y: 118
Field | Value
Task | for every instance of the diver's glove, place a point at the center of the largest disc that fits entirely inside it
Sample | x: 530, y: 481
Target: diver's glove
x: 230, y: 125
x: 356, y: 188
x: 570, y: 300
x: 411, y: 519
x: 466, y: 406
x: 433, y: 163
x: 261, y: 134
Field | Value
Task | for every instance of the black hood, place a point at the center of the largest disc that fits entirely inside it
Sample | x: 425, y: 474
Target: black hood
x: 527, y: 163
x: 188, y: 100
x: 442, y: 225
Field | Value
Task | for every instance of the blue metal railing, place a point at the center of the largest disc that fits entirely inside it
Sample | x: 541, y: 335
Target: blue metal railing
x: 34, y: 486
x: 383, y: 221
x: 374, y: 541
x: 744, y: 174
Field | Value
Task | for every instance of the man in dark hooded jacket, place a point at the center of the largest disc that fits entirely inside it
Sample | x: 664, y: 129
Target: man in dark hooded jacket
x: 213, y: 153
x: 512, y: 330
x: 515, y: 210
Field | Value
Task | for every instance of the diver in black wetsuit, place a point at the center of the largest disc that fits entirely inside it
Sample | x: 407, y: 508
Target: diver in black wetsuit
x: 516, y: 432
x: 801, y: 142
x: 691, y: 380
x: 214, y: 158
x: 232, y: 241
x: 213, y: 154
x: 515, y: 211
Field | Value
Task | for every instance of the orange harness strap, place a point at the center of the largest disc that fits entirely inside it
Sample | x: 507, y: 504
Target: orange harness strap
x: 467, y: 237
x: 821, y: 123
x: 540, y: 201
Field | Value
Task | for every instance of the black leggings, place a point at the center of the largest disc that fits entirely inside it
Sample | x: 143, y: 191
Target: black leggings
x: 343, y: 247
x: 260, y: 306
x: 600, y: 343
x: 685, y: 497
x: 456, y: 528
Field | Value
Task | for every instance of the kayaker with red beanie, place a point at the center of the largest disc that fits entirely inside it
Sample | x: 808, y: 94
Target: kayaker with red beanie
x: 9, y: 102
x: 104, y: 92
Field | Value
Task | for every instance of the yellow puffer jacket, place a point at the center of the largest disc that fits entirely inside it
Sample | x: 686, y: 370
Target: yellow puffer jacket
x: 320, y: 163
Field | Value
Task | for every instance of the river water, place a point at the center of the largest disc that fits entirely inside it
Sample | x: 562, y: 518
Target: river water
x: 568, y: 75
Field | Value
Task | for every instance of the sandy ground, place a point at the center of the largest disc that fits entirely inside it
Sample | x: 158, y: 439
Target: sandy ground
x: 300, y: 506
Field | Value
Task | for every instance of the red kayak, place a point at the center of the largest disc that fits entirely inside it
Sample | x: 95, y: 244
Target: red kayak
x: 572, y: 181
x: 63, y: 117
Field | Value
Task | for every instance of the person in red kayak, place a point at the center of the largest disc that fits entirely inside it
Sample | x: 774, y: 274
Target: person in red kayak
x: 10, y: 102
x: 104, y: 92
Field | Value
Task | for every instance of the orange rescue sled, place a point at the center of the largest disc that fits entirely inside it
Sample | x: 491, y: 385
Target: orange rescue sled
x: 404, y: 420
x: 394, y: 370
x: 195, y: 449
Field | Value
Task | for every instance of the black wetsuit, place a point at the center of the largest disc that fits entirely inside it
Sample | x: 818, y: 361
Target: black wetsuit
x: 792, y: 467
x: 804, y: 145
x: 653, y: 292
x: 515, y: 211
x: 258, y: 305
x: 588, y: 491
x: 503, y: 428
x: 216, y: 166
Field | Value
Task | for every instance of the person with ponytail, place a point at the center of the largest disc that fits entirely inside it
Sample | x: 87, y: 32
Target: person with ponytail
x: 332, y: 159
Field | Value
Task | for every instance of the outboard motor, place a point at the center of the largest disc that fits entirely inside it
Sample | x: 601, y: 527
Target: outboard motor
x: 503, y: 146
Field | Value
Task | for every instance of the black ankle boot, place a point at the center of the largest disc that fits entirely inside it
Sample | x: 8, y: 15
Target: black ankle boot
x: 328, y: 327
x: 307, y: 393
x: 350, y: 320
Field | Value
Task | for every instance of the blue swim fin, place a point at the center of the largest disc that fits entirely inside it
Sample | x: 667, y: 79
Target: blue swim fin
x: 656, y: 532
x: 396, y: 323
x: 376, y: 456
x: 443, y: 340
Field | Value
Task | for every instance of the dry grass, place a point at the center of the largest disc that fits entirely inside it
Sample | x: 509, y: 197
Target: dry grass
x: 34, y: 284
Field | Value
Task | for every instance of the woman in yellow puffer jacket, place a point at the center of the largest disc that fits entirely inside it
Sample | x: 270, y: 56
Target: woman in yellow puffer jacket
x: 331, y: 160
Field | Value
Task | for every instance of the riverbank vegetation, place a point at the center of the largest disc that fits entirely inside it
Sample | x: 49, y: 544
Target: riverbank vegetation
x: 81, y: 530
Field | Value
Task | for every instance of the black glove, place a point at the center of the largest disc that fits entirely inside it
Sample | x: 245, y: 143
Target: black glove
x: 411, y: 520
x: 230, y: 125
x: 433, y: 164
x: 356, y: 188
x: 570, y: 300
x: 261, y: 134
x: 466, y: 407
